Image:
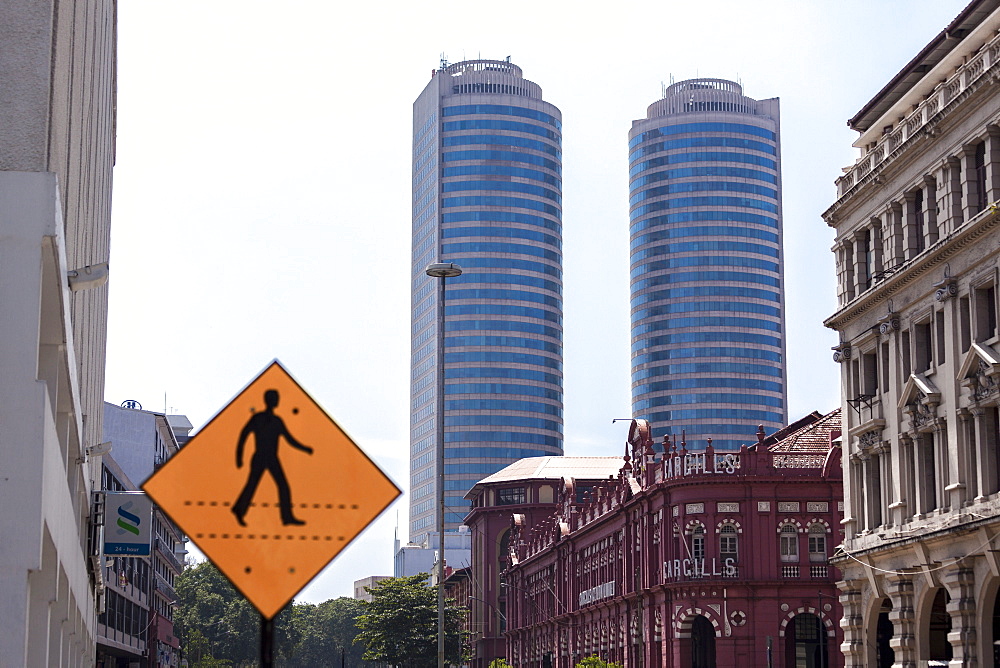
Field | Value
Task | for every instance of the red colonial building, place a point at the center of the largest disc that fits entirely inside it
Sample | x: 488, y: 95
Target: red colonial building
x: 529, y: 488
x: 683, y: 559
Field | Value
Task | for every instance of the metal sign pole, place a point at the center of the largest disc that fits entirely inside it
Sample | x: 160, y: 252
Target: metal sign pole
x: 266, y: 642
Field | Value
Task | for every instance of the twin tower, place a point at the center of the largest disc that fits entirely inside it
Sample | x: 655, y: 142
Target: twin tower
x: 707, y: 307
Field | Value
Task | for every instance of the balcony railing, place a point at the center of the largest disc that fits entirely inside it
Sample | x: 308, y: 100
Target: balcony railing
x: 942, y: 94
x: 164, y: 588
x: 164, y: 550
x: 819, y: 571
x: 789, y: 571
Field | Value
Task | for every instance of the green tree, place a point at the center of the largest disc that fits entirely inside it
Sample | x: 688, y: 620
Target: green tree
x: 499, y: 663
x: 596, y: 662
x: 322, y: 632
x: 212, y: 620
x: 218, y: 627
x: 399, y: 625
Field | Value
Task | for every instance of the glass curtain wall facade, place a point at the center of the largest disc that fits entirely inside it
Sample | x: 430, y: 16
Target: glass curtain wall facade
x: 487, y: 184
x: 707, y: 303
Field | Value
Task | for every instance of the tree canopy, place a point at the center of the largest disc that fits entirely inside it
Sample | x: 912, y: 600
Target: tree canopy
x: 399, y: 625
x: 218, y: 627
x: 596, y: 662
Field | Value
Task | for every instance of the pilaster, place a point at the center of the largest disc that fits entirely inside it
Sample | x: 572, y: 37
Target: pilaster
x: 852, y: 623
x: 903, y: 618
x: 960, y: 581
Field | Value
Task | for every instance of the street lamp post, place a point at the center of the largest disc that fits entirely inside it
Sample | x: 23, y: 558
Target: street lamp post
x: 444, y: 271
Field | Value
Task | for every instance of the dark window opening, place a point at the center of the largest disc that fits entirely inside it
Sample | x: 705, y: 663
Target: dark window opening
x: 918, y: 220
x: 939, y: 356
x: 922, y: 347
x: 979, y: 166
x: 511, y: 496
x: 885, y: 656
x: 940, y: 626
x: 986, y: 313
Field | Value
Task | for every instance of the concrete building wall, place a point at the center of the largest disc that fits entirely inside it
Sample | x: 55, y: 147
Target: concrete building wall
x: 917, y: 277
x: 57, y: 64
x: 708, y: 344
x: 487, y: 189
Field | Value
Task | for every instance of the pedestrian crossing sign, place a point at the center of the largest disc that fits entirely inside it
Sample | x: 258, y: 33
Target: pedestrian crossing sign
x: 271, y: 490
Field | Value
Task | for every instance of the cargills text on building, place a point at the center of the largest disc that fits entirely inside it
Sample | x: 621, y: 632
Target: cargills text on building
x: 689, y: 558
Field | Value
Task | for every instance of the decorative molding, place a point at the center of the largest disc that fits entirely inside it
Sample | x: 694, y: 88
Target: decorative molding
x: 763, y: 506
x: 870, y: 439
x: 940, y: 252
x: 788, y: 506
x: 817, y: 507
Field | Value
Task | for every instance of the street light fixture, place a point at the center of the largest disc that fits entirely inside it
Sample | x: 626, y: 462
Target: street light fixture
x: 444, y: 271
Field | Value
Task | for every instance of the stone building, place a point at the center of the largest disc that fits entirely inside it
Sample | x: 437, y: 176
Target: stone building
x: 917, y: 259
x: 688, y: 558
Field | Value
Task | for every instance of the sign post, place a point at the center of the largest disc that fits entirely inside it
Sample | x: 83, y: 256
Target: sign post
x: 271, y: 490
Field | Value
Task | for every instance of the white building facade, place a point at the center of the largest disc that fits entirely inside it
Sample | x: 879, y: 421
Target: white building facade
x: 918, y: 269
x: 57, y: 65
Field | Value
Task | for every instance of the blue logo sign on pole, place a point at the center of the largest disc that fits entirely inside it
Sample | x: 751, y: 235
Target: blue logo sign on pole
x: 128, y: 520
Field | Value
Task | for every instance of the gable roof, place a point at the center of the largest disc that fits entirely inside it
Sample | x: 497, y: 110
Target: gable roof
x: 812, y: 437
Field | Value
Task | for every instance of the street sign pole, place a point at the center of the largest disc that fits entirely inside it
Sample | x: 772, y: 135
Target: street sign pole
x: 266, y: 642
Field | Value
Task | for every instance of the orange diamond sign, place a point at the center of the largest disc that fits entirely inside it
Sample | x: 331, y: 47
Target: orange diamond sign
x: 271, y: 490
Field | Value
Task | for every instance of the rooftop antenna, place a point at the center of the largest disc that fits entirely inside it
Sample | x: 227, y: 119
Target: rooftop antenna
x: 663, y: 89
x: 444, y: 60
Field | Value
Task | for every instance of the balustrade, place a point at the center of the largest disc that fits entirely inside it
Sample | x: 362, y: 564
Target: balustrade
x: 912, y: 125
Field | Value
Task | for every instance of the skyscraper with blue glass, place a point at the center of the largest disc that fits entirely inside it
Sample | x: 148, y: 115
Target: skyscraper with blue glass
x: 708, y: 324
x: 487, y: 164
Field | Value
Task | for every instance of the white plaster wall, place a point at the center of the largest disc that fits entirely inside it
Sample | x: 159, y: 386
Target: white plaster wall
x: 45, y: 589
x: 57, y: 123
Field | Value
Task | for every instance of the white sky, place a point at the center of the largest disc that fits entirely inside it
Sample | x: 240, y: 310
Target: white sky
x: 262, y: 190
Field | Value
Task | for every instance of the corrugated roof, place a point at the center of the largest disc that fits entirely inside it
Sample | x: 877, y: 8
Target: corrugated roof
x: 592, y: 468
x: 813, y: 437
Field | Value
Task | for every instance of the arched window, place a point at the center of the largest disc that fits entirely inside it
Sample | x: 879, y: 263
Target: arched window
x: 698, y: 544
x: 817, y: 542
x: 789, y: 543
x: 728, y: 545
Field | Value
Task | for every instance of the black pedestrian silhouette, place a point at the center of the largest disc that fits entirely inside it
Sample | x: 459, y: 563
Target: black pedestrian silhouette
x: 267, y: 428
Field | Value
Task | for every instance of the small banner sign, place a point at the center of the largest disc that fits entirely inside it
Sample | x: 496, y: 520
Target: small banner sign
x: 128, y: 524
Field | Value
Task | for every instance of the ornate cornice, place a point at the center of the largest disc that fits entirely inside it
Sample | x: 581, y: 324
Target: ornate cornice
x: 929, y: 129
